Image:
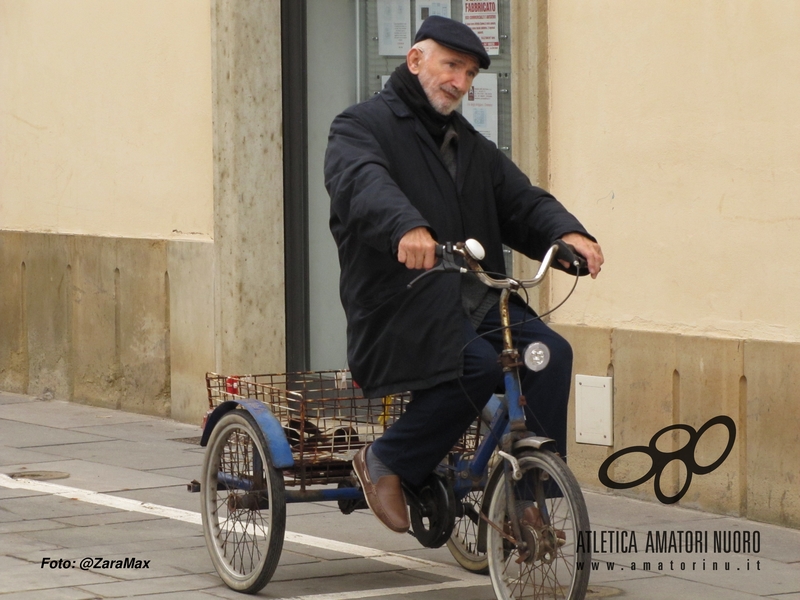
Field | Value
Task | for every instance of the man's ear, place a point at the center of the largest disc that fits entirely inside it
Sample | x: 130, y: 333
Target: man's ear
x: 413, y: 58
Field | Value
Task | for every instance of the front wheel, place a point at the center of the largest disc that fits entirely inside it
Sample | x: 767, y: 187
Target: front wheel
x: 243, y: 503
x: 546, y: 562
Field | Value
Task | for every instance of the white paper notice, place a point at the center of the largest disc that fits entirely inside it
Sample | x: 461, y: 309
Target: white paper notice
x: 426, y: 8
x: 394, y: 27
x: 482, y: 19
x: 479, y: 106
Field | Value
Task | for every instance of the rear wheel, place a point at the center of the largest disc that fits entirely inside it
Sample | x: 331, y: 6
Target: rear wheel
x: 243, y: 503
x: 467, y: 543
x: 546, y: 562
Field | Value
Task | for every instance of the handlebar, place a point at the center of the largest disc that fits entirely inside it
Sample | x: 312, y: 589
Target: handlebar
x: 472, y: 252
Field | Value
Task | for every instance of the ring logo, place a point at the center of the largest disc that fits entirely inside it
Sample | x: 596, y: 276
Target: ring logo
x: 662, y: 459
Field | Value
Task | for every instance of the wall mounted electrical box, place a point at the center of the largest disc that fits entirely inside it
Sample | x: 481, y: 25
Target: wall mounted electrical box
x: 594, y: 410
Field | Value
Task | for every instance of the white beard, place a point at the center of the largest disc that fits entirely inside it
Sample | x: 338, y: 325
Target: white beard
x: 441, y: 104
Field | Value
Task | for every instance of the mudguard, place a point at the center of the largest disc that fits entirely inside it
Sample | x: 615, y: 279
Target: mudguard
x: 276, y: 438
x: 534, y: 442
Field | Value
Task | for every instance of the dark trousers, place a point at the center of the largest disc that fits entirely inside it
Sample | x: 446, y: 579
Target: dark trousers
x: 436, y: 418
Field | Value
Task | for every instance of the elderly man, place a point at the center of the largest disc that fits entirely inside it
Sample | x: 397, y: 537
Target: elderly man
x: 405, y: 172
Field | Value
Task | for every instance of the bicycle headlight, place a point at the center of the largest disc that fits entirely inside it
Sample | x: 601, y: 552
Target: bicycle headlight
x: 536, y: 356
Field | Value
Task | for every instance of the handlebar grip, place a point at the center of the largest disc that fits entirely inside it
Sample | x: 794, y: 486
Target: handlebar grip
x: 446, y: 264
x: 567, y: 252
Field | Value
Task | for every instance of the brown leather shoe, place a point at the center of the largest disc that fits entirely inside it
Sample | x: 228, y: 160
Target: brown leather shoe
x: 385, y: 498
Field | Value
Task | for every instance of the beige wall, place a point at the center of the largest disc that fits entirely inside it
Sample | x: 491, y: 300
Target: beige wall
x: 661, y: 379
x: 671, y: 130
x: 141, y: 199
x: 675, y: 136
x: 105, y: 114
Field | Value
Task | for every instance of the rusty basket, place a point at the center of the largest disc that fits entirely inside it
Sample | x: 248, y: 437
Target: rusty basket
x: 325, y: 417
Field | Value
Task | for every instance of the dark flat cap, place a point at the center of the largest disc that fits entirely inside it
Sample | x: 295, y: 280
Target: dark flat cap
x: 455, y: 35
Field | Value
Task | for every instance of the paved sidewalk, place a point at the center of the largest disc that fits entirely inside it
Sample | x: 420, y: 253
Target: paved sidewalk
x: 122, y: 493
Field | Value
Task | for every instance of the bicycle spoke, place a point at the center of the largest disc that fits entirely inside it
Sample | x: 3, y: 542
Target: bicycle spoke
x: 549, y: 509
x: 244, y: 541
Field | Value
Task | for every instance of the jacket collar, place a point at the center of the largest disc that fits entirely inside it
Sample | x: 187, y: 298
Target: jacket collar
x: 466, y: 143
x: 400, y: 109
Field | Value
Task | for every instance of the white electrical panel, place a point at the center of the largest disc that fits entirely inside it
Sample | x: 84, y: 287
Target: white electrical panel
x: 594, y: 410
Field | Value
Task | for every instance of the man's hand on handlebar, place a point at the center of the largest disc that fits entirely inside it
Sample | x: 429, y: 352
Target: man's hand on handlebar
x: 590, y: 250
x: 417, y: 249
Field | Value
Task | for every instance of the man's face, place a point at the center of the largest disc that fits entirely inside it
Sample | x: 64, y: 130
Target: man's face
x: 445, y: 75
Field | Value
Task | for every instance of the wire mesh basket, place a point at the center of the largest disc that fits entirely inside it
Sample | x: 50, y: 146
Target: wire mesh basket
x: 325, y: 417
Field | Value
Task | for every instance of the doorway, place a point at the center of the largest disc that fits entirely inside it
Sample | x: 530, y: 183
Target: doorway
x: 331, y: 87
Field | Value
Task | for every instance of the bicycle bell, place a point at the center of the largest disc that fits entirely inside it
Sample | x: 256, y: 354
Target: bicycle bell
x: 475, y: 249
x: 536, y: 356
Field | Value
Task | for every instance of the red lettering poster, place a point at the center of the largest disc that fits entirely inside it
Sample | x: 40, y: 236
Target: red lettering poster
x: 482, y: 19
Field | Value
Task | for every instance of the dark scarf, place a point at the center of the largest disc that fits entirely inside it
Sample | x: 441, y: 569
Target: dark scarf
x: 476, y: 298
x: 408, y: 87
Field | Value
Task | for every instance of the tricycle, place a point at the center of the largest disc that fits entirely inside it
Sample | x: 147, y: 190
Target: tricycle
x: 503, y: 501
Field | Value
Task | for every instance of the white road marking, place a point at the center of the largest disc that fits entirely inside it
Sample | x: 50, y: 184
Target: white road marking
x: 461, y: 578
x: 397, y: 591
x: 99, y: 498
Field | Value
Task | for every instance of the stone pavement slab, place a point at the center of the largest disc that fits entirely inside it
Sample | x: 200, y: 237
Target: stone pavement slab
x: 60, y: 593
x: 18, y: 546
x: 156, y: 430
x: 770, y: 568
x: 173, y: 495
x: 11, y: 398
x: 15, y: 493
x: 10, y: 527
x: 66, y: 415
x: 90, y: 474
x: 197, y: 594
x: 109, y: 534
x: 150, y: 460
x: 106, y: 518
x: 40, y: 438
x: 130, y: 454
x: 19, y: 575
x: 44, y: 507
x: 14, y: 456
x: 156, y: 585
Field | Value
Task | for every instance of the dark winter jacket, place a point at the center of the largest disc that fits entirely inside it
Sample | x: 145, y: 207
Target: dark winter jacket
x: 385, y: 176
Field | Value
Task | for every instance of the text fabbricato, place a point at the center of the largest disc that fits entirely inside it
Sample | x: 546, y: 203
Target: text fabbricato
x: 480, y: 6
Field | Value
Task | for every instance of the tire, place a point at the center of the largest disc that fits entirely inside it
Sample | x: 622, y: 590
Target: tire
x: 243, y: 528
x: 469, y: 534
x: 468, y: 542
x: 552, y: 571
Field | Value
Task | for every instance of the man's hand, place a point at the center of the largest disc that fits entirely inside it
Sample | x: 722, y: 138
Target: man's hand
x: 588, y: 249
x: 417, y: 249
